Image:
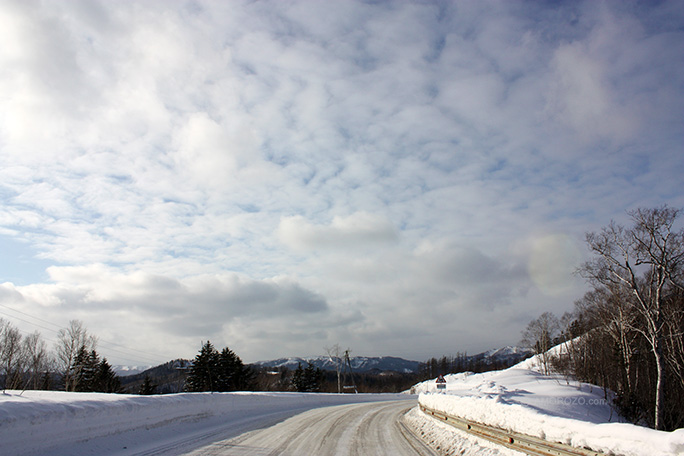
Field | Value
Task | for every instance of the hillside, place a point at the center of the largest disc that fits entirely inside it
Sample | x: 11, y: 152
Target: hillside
x: 359, y: 364
x: 168, y: 377
x: 393, y: 373
x: 551, y: 407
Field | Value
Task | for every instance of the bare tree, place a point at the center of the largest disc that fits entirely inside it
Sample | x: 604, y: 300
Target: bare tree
x: 69, y: 341
x: 335, y: 357
x: 674, y: 342
x: 539, y: 335
x: 11, y: 355
x: 646, y: 260
x: 37, y: 359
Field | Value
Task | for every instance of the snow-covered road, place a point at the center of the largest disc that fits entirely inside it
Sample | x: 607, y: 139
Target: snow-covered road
x: 355, y: 429
x: 74, y: 424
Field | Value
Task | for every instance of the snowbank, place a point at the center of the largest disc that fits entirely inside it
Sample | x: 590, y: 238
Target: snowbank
x: 521, y: 399
x: 449, y: 441
x: 41, y: 422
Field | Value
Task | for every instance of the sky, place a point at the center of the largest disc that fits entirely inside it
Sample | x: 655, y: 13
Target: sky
x: 407, y: 179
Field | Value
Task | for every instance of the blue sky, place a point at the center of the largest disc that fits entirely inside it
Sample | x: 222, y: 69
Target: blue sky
x: 400, y: 178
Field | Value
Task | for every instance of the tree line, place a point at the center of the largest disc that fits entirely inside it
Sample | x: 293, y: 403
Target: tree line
x: 218, y: 371
x: 212, y: 370
x: 462, y: 362
x: 74, y: 365
x: 627, y: 333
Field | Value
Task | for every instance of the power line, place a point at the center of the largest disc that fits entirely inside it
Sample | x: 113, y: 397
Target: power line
x: 35, y: 318
x: 26, y: 321
x: 130, y: 356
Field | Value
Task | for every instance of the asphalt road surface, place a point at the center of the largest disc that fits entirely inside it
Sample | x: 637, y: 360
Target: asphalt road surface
x: 356, y: 429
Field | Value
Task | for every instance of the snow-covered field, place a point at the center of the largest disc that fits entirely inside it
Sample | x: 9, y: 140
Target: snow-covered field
x: 58, y: 423
x: 521, y: 399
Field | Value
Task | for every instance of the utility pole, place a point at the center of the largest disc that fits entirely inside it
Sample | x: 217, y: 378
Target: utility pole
x: 348, y: 368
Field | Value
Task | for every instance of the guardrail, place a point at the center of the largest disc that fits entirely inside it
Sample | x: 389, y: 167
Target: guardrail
x: 521, y: 442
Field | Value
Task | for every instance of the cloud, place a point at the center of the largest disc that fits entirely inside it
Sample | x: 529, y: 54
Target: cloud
x: 142, y: 306
x: 553, y: 261
x: 355, y: 231
x: 355, y: 168
x: 584, y: 98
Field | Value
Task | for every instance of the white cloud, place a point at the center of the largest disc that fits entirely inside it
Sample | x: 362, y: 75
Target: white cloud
x: 553, y: 261
x: 149, y: 309
x: 396, y: 162
x: 358, y: 230
x: 584, y: 99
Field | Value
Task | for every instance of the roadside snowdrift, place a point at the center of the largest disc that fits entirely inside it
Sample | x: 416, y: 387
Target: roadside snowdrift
x: 521, y: 399
x: 58, y: 423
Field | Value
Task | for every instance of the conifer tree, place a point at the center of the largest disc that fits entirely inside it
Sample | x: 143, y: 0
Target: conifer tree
x: 148, y: 387
x: 83, y: 370
x: 106, y: 380
x: 204, y: 371
x: 214, y: 371
x: 90, y: 374
x: 298, y: 378
x: 307, y: 380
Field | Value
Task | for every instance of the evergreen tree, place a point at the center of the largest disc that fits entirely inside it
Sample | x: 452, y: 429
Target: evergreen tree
x: 204, y: 372
x: 83, y: 370
x: 90, y: 374
x: 106, y: 380
x: 298, y: 378
x: 226, y: 370
x: 214, y: 371
x: 233, y: 374
x: 314, y: 378
x: 148, y: 387
x: 307, y: 380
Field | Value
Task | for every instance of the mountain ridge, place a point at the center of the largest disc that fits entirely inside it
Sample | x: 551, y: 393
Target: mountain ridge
x: 508, y: 354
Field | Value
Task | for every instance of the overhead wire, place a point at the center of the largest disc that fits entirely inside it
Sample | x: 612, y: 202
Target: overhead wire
x: 139, y: 355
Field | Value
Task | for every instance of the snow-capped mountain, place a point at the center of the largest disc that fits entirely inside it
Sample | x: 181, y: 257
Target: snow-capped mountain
x: 358, y: 363
x: 125, y: 371
x: 508, y: 354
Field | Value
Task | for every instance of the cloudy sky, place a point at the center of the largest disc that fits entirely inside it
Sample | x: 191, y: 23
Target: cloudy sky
x: 400, y: 178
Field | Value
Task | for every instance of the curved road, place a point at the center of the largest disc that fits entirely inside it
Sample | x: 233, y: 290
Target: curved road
x: 356, y: 429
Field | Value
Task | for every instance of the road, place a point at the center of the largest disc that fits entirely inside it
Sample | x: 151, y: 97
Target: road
x: 353, y: 429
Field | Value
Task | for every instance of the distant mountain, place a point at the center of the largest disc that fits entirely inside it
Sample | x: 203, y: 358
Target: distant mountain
x: 506, y: 355
x: 358, y: 363
x: 168, y: 377
x: 125, y: 371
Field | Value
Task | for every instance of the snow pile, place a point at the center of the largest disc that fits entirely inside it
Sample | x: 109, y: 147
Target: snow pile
x: 58, y: 423
x: 449, y: 441
x: 523, y: 400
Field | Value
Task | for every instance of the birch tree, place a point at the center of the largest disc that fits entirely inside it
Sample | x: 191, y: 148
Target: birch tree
x: 37, y: 359
x: 539, y: 336
x: 70, y: 341
x: 646, y: 261
x: 11, y: 355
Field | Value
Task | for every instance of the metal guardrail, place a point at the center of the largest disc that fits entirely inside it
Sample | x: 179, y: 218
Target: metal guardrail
x: 521, y: 442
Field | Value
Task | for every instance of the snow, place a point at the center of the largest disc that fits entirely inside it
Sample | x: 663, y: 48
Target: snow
x: 552, y: 407
x: 506, y: 351
x: 520, y: 399
x: 448, y: 440
x: 124, y: 371
x: 59, y: 423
